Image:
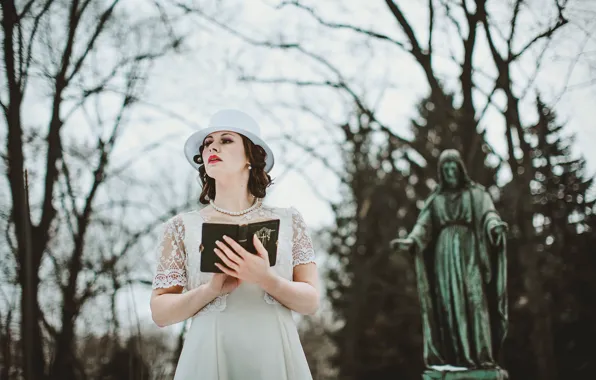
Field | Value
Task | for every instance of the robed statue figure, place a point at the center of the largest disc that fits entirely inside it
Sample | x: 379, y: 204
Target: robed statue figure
x: 459, y: 249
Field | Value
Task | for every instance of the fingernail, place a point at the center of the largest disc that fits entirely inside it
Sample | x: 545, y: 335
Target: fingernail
x: 225, y: 237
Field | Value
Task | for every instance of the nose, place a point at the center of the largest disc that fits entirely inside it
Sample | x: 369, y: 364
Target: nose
x: 213, y: 148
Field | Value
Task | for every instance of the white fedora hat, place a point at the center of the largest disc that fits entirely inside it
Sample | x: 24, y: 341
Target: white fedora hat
x: 228, y: 120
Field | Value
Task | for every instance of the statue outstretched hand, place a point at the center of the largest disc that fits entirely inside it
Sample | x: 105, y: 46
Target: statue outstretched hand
x: 497, y: 233
x: 402, y: 244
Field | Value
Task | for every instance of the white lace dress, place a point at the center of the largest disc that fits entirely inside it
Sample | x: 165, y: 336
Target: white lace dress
x: 246, y: 334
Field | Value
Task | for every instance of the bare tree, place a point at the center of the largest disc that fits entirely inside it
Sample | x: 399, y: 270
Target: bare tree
x: 74, y: 71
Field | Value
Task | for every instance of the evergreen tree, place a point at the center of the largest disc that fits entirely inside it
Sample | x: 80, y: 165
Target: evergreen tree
x: 550, y: 264
x: 372, y: 290
x: 436, y: 130
x: 564, y: 222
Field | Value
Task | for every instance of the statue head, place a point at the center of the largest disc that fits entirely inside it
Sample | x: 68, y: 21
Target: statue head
x: 452, y: 172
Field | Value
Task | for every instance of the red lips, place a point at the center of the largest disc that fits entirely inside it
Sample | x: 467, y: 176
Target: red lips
x: 213, y: 158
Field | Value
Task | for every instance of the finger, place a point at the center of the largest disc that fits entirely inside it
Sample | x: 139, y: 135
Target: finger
x: 227, y: 271
x: 236, y: 247
x: 228, y: 252
x: 226, y: 260
x: 491, y: 238
x: 260, y: 248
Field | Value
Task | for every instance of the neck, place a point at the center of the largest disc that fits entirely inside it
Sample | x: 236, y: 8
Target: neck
x: 452, y: 188
x: 233, y: 195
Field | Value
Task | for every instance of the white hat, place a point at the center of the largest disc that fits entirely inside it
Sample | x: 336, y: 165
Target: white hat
x: 228, y: 120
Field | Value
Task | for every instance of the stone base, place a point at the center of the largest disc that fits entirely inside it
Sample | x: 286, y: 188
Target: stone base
x: 469, y: 374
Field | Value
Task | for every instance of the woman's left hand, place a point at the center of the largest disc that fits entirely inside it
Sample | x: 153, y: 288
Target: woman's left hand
x: 243, y: 264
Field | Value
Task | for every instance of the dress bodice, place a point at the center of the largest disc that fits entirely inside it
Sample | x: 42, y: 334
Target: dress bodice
x: 179, y: 256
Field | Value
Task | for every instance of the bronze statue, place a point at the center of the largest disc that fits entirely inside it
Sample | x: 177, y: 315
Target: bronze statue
x: 459, y: 247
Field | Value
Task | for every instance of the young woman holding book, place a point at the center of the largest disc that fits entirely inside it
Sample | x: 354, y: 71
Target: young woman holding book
x: 242, y: 325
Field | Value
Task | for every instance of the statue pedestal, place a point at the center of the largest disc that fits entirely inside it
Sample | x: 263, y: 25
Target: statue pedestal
x: 471, y: 374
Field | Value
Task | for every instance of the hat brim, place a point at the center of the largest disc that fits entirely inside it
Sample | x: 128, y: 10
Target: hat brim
x: 194, y: 142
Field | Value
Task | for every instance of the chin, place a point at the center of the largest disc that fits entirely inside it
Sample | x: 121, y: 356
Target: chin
x: 214, y: 174
x: 219, y: 173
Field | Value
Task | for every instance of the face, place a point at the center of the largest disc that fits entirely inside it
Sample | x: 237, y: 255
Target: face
x: 224, y: 154
x: 451, y: 174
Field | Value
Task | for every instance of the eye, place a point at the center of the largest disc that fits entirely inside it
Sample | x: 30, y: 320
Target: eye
x: 207, y: 142
x: 226, y: 140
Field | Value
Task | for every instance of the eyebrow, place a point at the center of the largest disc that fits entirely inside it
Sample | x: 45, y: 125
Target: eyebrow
x: 223, y: 134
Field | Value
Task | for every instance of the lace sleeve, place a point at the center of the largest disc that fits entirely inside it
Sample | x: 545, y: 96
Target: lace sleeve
x: 171, y: 256
x: 302, y: 249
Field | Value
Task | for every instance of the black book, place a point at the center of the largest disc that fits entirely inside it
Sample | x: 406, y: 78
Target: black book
x: 267, y: 232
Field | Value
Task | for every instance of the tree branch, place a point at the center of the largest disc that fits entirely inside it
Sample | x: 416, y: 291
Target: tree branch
x: 333, y: 25
x: 546, y: 34
x: 134, y: 237
x: 102, y: 85
x: 489, y: 102
x: 70, y: 192
x: 431, y: 24
x: 566, y: 87
x: 25, y: 9
x: 423, y: 58
x: 313, y: 152
x: 24, y: 75
x: 450, y: 16
x: 4, y: 108
x: 140, y: 155
x: 403, y: 22
x: 340, y: 85
x: 516, y: 9
x: 103, y: 19
x: 539, y: 62
x: 54, y: 142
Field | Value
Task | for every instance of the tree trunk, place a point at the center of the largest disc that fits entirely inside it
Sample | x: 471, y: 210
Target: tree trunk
x: 28, y: 257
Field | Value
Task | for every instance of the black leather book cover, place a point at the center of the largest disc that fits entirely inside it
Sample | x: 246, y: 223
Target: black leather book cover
x: 267, y: 231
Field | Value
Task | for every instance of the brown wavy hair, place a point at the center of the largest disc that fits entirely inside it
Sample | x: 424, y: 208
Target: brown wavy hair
x: 258, y: 180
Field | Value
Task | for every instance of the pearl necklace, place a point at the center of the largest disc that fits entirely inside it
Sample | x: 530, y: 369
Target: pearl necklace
x: 254, y: 206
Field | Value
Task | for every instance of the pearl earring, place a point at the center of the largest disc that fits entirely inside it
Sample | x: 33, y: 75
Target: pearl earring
x: 249, y: 167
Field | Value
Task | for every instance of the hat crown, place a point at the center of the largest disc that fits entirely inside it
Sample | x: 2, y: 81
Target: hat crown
x: 228, y: 120
x: 231, y: 118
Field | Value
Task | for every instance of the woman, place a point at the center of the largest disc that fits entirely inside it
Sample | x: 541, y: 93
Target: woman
x: 242, y: 325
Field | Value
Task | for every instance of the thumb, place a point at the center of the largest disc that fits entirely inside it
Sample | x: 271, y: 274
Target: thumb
x: 261, y: 251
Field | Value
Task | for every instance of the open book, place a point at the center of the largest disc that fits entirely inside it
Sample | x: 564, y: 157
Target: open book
x: 267, y: 232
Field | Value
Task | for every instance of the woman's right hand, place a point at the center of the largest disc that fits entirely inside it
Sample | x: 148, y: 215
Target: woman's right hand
x: 221, y: 284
